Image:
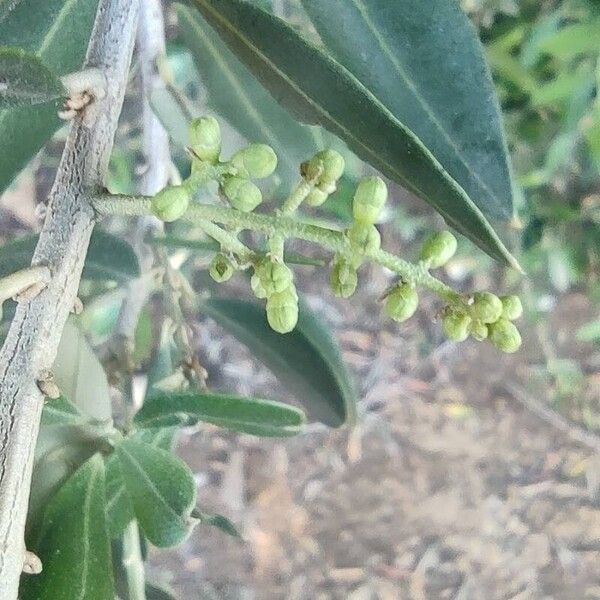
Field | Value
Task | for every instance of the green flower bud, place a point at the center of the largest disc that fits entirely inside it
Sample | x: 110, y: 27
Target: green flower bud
x: 205, y: 138
x: 457, y: 326
x: 326, y: 167
x: 274, y: 276
x: 505, y: 336
x: 282, y: 310
x: 402, y: 303
x: 438, y: 249
x: 364, y: 239
x: 257, y: 287
x: 316, y: 197
x: 242, y: 193
x: 369, y: 199
x: 221, y: 268
x: 171, y: 203
x: 256, y: 161
x: 486, y: 307
x: 344, y: 278
x: 479, y: 331
x: 511, y: 307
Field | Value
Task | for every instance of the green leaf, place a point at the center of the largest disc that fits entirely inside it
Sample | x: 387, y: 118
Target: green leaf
x: 80, y: 376
x: 424, y: 62
x: 307, y: 360
x: 218, y: 521
x: 74, y: 546
x: 58, y: 32
x: 119, y: 509
x: 25, y: 80
x: 248, y: 415
x: 319, y: 90
x: 60, y: 412
x: 236, y: 95
x: 162, y: 491
x: 109, y: 257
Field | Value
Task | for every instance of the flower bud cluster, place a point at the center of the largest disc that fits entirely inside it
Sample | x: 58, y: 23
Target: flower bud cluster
x: 481, y: 316
x: 486, y: 317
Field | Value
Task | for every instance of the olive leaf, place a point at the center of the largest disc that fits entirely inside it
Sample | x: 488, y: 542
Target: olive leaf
x: 119, y: 509
x: 109, y: 257
x: 424, y: 62
x: 58, y: 32
x: 236, y: 95
x: 265, y: 418
x: 25, y: 80
x: 307, y: 360
x: 73, y: 543
x: 317, y: 89
x: 162, y: 491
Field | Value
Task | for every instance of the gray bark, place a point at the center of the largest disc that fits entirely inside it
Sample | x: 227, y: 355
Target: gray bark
x: 32, y: 342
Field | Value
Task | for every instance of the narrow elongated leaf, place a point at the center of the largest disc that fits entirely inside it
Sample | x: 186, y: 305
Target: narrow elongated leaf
x: 248, y: 415
x: 317, y: 89
x: 74, y: 546
x: 108, y: 257
x: 234, y: 93
x: 162, y: 491
x: 307, y: 360
x: 80, y: 375
x: 424, y: 62
x: 58, y: 32
x: 25, y: 80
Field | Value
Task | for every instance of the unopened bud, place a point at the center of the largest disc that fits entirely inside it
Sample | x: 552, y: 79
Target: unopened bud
x: 256, y: 161
x: 274, y: 276
x: 402, y: 303
x: 171, y: 203
x: 439, y: 249
x: 486, y: 307
x: 221, y: 269
x: 457, y: 326
x: 479, y: 331
x: 344, y: 278
x: 282, y: 310
x: 364, y: 239
x: 511, y: 307
x: 325, y: 167
x: 505, y: 336
x: 257, y: 287
x: 244, y: 195
x: 205, y: 138
x: 369, y: 200
x: 316, y: 198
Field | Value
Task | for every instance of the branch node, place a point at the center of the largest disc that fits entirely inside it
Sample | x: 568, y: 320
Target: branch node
x: 47, y: 385
x: 32, y: 565
x: 77, y: 307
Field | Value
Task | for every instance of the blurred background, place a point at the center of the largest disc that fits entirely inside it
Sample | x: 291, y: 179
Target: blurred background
x: 471, y: 474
